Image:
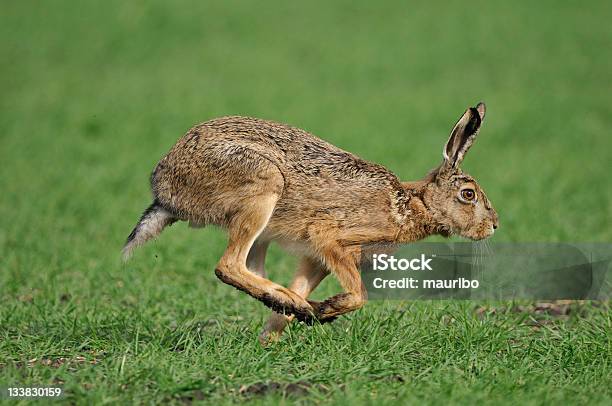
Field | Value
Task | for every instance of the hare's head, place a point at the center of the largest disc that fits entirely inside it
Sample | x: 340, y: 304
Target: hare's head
x: 456, y: 202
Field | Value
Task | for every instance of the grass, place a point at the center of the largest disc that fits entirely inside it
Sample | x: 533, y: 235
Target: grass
x: 94, y: 93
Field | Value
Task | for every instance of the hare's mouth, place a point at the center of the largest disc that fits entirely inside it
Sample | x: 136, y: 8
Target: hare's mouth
x: 445, y: 232
x: 479, y: 237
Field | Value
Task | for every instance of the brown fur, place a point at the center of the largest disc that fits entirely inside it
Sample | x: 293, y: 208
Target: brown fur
x: 264, y: 181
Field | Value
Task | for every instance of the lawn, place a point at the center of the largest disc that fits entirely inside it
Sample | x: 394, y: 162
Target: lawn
x: 94, y: 93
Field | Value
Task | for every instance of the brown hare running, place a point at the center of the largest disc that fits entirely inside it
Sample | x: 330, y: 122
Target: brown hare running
x: 265, y: 181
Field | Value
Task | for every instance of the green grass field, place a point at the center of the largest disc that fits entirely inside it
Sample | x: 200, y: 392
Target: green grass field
x: 93, y: 93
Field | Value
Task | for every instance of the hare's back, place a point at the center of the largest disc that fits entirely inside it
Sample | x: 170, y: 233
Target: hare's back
x: 317, y: 179
x: 295, y: 151
x: 320, y: 179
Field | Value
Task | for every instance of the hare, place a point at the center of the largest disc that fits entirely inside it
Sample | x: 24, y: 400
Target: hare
x: 264, y: 181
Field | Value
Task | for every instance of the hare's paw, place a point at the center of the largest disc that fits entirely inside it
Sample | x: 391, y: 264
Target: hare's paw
x: 286, y: 302
x: 324, y: 311
x: 328, y: 310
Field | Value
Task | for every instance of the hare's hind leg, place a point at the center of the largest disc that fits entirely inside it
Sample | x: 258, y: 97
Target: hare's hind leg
x: 310, y: 273
x: 244, y: 228
x: 257, y: 257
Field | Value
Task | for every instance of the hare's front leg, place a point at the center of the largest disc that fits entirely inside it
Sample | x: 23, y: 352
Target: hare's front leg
x: 245, y: 226
x: 310, y: 273
x: 344, y: 265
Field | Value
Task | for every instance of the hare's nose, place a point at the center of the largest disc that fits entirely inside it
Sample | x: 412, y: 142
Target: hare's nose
x: 495, y: 219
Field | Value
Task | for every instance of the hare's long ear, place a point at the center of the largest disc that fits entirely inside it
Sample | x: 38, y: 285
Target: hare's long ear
x: 462, y: 137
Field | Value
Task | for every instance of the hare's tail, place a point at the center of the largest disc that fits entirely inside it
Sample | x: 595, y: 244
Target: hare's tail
x: 154, y: 219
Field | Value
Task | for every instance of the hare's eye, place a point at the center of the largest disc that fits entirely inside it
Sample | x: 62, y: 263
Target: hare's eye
x: 468, y: 195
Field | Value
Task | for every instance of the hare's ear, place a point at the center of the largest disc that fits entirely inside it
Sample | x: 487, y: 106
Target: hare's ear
x: 462, y: 136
